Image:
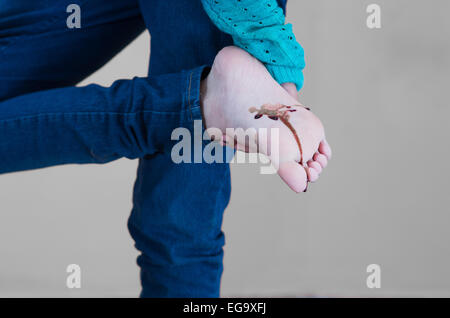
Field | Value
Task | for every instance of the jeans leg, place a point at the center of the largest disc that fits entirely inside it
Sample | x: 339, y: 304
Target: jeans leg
x: 95, y: 124
x: 176, y: 223
x: 38, y: 51
x: 176, y: 220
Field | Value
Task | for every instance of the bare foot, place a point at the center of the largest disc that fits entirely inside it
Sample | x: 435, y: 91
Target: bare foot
x: 239, y: 92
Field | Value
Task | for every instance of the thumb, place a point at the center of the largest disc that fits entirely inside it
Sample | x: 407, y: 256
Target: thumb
x: 291, y: 89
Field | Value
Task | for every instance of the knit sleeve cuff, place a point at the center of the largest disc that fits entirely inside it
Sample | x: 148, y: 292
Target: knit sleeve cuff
x: 283, y: 74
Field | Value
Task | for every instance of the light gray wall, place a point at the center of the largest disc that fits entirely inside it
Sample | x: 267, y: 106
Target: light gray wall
x: 383, y: 97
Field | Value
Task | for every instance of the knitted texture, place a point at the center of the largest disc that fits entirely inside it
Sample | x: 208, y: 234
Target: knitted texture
x: 258, y: 26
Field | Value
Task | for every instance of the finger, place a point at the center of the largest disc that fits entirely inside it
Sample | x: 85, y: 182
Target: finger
x: 291, y: 89
x: 325, y: 149
x: 294, y: 175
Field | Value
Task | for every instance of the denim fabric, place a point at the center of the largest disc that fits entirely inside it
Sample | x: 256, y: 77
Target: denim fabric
x: 44, y: 121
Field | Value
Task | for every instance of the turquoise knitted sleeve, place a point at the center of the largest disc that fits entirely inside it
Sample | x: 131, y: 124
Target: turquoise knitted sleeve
x: 258, y: 26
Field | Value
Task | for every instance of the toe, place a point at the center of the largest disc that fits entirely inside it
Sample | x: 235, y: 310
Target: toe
x: 294, y: 175
x: 321, y: 159
x: 315, y: 165
x: 313, y: 175
x: 325, y: 149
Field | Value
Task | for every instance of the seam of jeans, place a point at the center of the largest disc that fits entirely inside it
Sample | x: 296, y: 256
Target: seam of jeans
x: 193, y: 85
x: 189, y: 95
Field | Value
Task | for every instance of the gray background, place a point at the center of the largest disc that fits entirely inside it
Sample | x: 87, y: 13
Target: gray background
x: 383, y: 97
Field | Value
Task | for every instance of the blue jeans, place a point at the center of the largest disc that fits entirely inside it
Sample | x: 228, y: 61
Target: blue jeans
x: 44, y: 120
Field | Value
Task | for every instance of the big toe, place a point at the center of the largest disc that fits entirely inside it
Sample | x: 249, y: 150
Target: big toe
x: 294, y: 175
